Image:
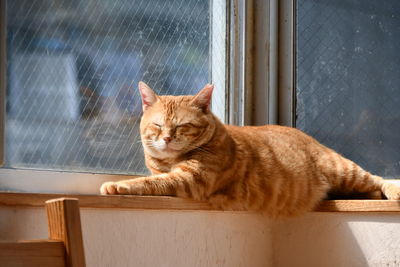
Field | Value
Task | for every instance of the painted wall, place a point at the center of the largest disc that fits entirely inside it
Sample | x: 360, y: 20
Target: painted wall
x: 210, y: 238
x: 338, y: 239
x: 156, y: 238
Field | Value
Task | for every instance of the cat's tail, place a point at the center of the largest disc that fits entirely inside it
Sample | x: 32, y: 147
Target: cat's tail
x: 346, y: 177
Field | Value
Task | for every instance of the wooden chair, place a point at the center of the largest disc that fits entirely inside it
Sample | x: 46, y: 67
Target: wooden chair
x: 64, y: 246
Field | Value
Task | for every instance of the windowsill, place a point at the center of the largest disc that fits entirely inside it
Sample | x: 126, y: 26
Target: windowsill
x: 172, y: 203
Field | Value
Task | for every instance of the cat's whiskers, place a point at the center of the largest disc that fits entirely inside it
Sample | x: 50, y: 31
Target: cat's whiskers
x: 150, y: 143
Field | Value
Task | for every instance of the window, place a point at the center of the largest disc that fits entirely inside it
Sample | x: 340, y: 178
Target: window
x: 348, y: 79
x: 72, y: 71
x: 73, y: 68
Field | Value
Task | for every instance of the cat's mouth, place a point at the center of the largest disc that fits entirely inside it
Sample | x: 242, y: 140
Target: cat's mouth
x: 164, y: 148
x: 168, y: 149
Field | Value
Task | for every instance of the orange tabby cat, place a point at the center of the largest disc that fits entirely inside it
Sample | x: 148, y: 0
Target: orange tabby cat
x: 278, y: 170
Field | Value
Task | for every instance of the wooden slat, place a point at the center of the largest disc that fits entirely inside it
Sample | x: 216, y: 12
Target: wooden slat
x: 39, y: 253
x: 65, y: 225
x: 364, y: 205
x: 173, y: 203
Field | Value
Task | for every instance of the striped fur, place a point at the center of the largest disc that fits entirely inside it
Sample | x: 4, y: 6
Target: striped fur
x: 277, y: 170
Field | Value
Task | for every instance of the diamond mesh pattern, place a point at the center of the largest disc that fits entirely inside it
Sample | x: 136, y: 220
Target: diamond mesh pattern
x: 73, y: 68
x: 348, y: 79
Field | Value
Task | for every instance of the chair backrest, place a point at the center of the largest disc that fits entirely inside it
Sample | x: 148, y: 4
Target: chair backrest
x: 64, y: 246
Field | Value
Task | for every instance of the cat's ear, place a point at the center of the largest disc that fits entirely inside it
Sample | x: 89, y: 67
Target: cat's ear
x: 203, y: 98
x: 148, y: 95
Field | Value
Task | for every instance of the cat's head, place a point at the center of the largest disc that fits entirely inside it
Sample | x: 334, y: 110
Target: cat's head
x: 174, y: 125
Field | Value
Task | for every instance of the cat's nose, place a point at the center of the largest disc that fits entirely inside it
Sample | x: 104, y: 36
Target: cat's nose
x: 167, y: 139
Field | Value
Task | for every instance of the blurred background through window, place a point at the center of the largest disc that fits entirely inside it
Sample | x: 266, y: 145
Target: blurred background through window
x: 73, y: 68
x: 348, y: 79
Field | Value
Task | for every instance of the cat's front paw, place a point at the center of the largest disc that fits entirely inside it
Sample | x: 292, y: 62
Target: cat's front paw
x: 115, y: 188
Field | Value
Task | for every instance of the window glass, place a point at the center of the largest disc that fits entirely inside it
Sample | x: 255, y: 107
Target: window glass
x: 72, y: 73
x: 348, y: 79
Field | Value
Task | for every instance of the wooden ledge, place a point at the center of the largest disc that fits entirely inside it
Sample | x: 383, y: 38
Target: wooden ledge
x: 99, y: 201
x: 359, y: 205
x: 172, y: 203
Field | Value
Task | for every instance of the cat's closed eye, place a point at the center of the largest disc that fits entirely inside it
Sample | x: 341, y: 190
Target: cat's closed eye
x: 185, y: 125
x: 157, y: 125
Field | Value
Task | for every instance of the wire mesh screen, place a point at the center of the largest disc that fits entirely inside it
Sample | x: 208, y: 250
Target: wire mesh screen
x: 348, y: 79
x: 73, y: 69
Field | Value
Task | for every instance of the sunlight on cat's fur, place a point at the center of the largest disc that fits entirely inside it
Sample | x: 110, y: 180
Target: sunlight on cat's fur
x: 277, y: 170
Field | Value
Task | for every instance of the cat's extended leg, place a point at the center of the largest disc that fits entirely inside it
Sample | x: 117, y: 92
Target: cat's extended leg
x: 371, y: 183
x: 346, y: 177
x: 359, y: 180
x: 182, y: 184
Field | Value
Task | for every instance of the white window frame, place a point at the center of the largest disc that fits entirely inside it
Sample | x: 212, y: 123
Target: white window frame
x: 286, y: 58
